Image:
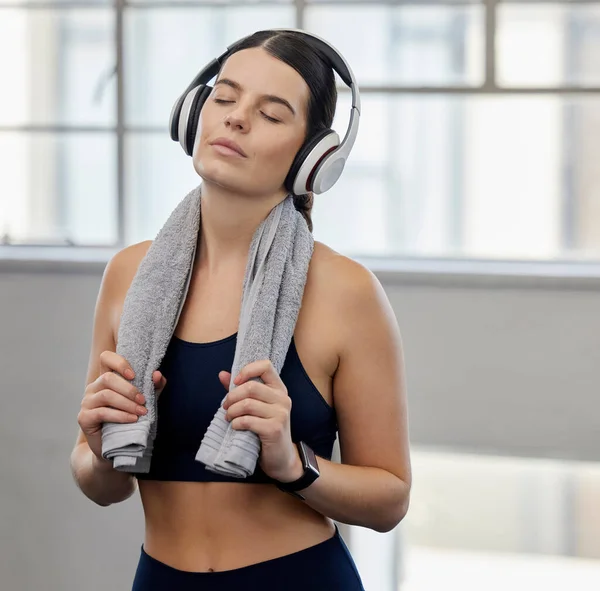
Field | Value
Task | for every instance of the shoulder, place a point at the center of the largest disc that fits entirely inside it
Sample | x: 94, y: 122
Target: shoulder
x: 118, y: 275
x: 123, y: 265
x: 348, y: 282
x: 349, y: 299
x: 130, y: 254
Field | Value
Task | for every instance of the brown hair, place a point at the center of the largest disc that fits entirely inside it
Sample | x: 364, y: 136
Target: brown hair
x: 304, y: 204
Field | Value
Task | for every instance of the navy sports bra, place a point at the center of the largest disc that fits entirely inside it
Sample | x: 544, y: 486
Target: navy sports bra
x: 193, y: 394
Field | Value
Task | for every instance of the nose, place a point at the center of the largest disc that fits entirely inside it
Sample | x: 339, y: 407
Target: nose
x: 237, y: 120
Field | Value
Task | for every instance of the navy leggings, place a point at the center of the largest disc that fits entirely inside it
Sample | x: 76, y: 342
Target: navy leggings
x: 328, y: 566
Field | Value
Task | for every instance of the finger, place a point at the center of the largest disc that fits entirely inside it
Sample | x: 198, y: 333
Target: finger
x: 251, y: 407
x: 257, y: 425
x: 252, y: 389
x: 159, y: 380
x: 108, y: 415
x: 110, y: 399
x: 159, y: 383
x: 113, y: 361
x: 225, y: 379
x: 262, y: 369
x: 117, y: 383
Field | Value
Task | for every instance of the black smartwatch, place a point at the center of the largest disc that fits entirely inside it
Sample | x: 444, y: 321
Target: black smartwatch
x: 311, y: 472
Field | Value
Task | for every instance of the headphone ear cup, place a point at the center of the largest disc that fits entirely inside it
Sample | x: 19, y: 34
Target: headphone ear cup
x: 299, y: 178
x: 300, y: 158
x: 174, y: 119
x: 189, y: 116
x: 195, y: 112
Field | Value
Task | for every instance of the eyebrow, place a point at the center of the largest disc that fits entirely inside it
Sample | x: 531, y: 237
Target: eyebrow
x: 268, y: 97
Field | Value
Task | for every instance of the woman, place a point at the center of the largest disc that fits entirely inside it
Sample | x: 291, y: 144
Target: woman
x: 343, y: 372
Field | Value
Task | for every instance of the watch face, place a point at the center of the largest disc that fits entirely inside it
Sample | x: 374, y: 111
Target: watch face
x: 309, y: 459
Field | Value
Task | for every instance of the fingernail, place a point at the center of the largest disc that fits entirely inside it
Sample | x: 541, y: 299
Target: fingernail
x: 140, y: 398
x: 129, y: 374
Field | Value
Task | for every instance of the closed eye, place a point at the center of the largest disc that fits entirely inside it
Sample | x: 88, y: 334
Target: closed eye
x: 270, y: 118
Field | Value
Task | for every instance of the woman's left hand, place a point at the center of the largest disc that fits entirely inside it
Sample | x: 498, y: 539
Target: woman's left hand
x: 264, y: 408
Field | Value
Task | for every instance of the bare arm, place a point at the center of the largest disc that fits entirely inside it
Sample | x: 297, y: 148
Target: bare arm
x: 97, y: 479
x: 95, y: 476
x: 371, y: 487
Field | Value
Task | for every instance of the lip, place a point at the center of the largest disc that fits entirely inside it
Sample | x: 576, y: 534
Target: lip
x: 227, y: 143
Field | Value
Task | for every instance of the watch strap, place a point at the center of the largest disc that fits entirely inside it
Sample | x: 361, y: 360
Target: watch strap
x: 311, y: 471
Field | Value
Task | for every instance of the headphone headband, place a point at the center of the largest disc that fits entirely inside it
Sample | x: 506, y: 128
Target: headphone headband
x: 322, y: 163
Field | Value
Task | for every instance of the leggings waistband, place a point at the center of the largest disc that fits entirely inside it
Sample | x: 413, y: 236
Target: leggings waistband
x: 327, y: 565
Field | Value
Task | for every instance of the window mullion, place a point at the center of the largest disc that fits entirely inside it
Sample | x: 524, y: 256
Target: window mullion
x: 491, y: 14
x: 121, y: 210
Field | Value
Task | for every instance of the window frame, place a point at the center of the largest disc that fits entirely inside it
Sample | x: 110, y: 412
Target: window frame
x: 392, y: 266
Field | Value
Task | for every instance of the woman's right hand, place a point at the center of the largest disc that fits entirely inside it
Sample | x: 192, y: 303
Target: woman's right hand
x: 112, y: 398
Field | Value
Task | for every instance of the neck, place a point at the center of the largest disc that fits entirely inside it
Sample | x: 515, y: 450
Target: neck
x: 229, y: 220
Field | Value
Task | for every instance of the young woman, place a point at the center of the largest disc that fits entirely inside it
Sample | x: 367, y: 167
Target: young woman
x: 343, y: 375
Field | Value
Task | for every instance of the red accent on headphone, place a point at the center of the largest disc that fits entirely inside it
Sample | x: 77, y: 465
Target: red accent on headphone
x: 312, y: 172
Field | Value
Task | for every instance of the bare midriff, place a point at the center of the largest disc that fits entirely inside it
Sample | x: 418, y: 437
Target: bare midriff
x: 217, y: 526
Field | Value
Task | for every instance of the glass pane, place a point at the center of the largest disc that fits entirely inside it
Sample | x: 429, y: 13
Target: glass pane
x: 58, y: 2
x: 158, y: 176
x: 411, y: 45
x: 499, y: 523
x: 159, y: 65
x: 482, y: 177
x: 56, y: 67
x: 58, y: 189
x: 408, y: 2
x: 549, y: 45
x: 224, y: 2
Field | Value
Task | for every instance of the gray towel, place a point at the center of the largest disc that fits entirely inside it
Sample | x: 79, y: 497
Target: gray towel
x: 273, y: 287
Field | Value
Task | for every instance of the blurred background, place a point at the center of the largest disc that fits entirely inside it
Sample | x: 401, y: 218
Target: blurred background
x: 473, y: 192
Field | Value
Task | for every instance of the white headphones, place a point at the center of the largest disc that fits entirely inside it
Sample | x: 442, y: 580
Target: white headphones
x: 321, y: 160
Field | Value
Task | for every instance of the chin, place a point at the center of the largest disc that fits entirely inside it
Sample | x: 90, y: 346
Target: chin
x: 215, y: 172
x: 228, y: 180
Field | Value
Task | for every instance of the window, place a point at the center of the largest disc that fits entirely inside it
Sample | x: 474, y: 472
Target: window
x: 479, y: 128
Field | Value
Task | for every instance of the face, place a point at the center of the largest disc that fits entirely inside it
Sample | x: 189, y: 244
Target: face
x: 259, y: 106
